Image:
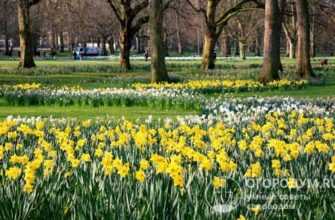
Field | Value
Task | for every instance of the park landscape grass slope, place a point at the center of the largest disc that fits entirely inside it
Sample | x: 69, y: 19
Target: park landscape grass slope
x: 103, y: 74
x: 188, y: 150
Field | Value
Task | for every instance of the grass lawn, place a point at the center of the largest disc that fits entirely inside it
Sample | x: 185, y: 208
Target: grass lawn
x: 309, y: 92
x: 107, y: 73
x: 86, y: 112
x: 130, y: 113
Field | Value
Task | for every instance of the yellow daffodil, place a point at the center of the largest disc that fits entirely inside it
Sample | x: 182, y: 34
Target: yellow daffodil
x: 218, y: 182
x: 13, y: 173
x: 140, y: 176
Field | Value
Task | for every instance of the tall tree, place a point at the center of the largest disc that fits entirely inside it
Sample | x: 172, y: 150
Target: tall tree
x: 328, y: 8
x: 4, y: 25
x: 225, y: 44
x: 102, y: 24
x: 242, y: 41
x: 304, y: 67
x: 244, y: 29
x: 178, y: 31
x: 215, y: 23
x: 25, y: 33
x: 158, y: 67
x: 271, y: 64
x: 131, y: 16
x: 290, y: 27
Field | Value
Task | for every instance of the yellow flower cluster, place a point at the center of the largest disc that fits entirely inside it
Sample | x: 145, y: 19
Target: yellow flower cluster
x: 221, y: 84
x: 13, y: 173
x: 255, y: 170
x: 109, y: 165
x: 36, y: 151
x: 28, y: 86
x: 218, y: 182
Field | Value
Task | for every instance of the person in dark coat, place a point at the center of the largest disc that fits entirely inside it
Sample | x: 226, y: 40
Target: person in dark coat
x: 74, y: 54
x: 146, y: 55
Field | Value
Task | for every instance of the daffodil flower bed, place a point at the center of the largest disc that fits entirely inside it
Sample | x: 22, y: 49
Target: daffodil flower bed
x: 236, y: 110
x: 28, y: 86
x: 224, y: 86
x: 158, y: 98
x: 187, y: 95
x: 116, y: 169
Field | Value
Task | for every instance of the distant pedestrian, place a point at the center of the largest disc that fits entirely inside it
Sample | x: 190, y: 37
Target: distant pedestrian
x: 74, y: 54
x: 214, y: 55
x: 324, y: 62
x: 53, y: 54
x: 11, y: 51
x: 146, y: 55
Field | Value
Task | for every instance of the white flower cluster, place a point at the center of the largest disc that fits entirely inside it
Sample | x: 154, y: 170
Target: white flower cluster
x: 242, y: 110
x: 101, y: 96
x: 101, y: 92
x: 231, y: 111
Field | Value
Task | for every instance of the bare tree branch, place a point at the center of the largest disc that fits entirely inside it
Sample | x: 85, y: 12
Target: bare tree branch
x: 139, y: 7
x: 227, y: 15
x: 198, y: 10
x: 116, y: 10
x: 33, y: 2
x: 140, y: 22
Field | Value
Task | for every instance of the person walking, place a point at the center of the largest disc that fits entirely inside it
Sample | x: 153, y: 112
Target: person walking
x: 146, y: 55
x: 74, y: 54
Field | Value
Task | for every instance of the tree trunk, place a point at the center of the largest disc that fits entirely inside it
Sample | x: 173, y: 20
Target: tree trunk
x: 138, y: 44
x: 272, y: 31
x: 56, y: 41
x: 237, y: 48
x: 258, y: 47
x: 292, y: 49
x: 313, y: 45
x: 243, y: 48
x: 7, y: 52
x: 111, y: 45
x: 291, y: 46
x: 178, y: 35
x: 53, y: 41
x: 158, y: 67
x: 242, y: 41
x: 313, y: 42
x: 5, y: 28
x: 166, y: 44
x: 5, y: 32
x: 198, y: 42
x: 291, y: 41
x: 26, y: 47
x: 104, y: 49
x: 208, y: 55
x: 72, y: 41
x: 98, y: 40
x: 225, y: 46
x: 61, y: 39
x: 287, y: 48
x: 125, y: 46
x: 304, y: 67
x: 312, y: 35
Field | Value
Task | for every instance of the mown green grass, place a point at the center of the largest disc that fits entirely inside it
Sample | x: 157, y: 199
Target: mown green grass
x: 309, y: 92
x: 86, y: 112
x: 130, y: 113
